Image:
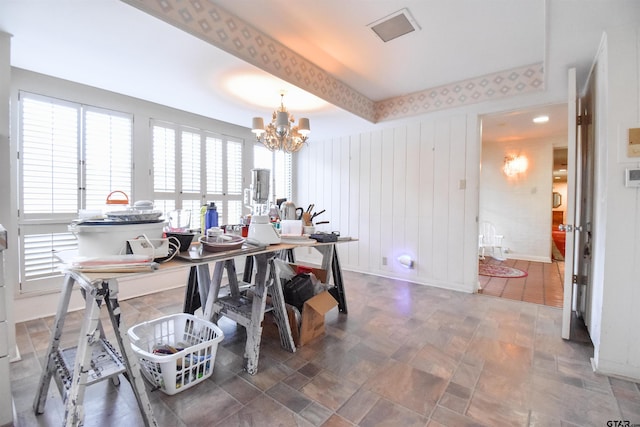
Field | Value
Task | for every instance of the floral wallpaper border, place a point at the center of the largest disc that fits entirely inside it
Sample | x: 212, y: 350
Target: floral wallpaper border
x: 213, y: 24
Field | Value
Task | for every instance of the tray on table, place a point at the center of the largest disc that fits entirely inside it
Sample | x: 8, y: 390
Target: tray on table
x: 197, y: 253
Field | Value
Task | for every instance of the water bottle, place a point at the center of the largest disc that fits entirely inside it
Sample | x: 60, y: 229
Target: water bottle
x: 211, y: 218
x: 203, y: 215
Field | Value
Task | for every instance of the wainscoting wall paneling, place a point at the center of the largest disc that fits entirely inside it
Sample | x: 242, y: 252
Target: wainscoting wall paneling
x: 399, y: 190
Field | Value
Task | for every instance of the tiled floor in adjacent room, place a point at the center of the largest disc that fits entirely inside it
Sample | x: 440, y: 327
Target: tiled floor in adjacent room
x: 542, y: 285
x: 405, y: 355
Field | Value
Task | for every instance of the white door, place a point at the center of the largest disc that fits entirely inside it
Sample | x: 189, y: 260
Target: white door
x: 580, y: 184
x: 569, y: 292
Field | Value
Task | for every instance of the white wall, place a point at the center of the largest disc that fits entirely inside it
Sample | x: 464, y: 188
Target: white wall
x: 409, y: 189
x: 519, y: 206
x: 616, y: 278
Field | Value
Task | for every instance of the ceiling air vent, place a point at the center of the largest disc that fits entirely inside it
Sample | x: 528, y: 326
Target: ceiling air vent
x: 395, y: 25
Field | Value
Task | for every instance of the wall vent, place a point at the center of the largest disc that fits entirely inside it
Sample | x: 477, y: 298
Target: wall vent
x: 395, y: 25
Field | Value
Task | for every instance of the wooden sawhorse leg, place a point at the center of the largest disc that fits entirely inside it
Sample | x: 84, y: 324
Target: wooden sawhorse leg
x: 254, y: 331
x: 214, y: 283
x: 89, y: 334
x: 331, y: 262
x: 265, y: 277
x: 54, y: 345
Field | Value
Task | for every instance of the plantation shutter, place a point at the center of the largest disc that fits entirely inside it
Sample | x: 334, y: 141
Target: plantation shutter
x: 164, y: 159
x: 234, y: 167
x: 71, y: 157
x: 49, y: 155
x: 108, y: 145
x: 164, y: 167
x: 234, y: 181
x: 190, y: 154
x: 49, y: 159
x: 280, y: 162
x: 215, y: 171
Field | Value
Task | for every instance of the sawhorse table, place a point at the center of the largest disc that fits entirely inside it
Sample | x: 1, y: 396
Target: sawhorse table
x: 94, y: 359
x: 248, y: 312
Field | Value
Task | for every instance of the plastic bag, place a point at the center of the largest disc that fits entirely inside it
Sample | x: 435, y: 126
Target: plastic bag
x: 298, y: 290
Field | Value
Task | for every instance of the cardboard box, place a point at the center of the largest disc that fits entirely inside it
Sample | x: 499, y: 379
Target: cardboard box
x: 314, y: 309
x: 313, y: 313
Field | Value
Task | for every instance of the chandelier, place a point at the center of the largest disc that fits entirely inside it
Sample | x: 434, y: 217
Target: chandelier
x: 282, y: 133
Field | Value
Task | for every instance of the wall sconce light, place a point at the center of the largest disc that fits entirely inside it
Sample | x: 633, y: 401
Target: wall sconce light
x: 514, y: 165
x: 405, y: 261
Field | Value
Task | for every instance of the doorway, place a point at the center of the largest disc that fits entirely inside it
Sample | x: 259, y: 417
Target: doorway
x: 559, y: 203
x: 520, y: 205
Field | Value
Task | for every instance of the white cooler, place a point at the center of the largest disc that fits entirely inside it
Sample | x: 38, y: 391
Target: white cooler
x: 111, y: 239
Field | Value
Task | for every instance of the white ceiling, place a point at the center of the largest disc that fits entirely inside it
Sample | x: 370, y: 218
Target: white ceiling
x: 111, y: 45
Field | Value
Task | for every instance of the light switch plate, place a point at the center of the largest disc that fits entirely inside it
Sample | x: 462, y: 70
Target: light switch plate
x: 632, y: 177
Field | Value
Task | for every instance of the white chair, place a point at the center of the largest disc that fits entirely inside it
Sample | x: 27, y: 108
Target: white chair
x: 489, y: 241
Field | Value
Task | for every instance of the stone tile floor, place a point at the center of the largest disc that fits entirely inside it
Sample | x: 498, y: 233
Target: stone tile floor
x: 405, y: 355
x: 543, y: 284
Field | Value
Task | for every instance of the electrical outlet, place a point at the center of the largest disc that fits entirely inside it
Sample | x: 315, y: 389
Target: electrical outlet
x: 384, y: 260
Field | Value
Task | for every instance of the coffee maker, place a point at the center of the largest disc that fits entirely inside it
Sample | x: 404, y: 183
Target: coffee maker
x: 260, y: 228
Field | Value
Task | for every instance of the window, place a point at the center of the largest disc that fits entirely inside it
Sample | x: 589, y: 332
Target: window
x: 192, y: 167
x: 71, y: 157
x: 277, y: 161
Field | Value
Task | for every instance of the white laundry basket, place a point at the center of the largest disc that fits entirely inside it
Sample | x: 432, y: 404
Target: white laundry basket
x: 195, y: 341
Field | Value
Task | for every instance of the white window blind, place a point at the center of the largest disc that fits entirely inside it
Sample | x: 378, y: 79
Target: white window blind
x: 234, y: 167
x: 282, y: 162
x: 190, y: 154
x: 234, y: 211
x: 279, y: 163
x: 164, y: 205
x: 107, y: 147
x: 71, y: 157
x: 215, y: 171
x: 40, y: 264
x: 209, y: 172
x: 164, y: 159
x: 49, y: 155
x: 194, y: 206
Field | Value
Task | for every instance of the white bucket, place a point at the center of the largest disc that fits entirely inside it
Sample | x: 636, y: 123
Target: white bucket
x: 100, y: 240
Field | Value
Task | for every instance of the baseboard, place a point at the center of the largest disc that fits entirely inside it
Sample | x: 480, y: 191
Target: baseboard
x: 460, y: 287
x: 617, y: 370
